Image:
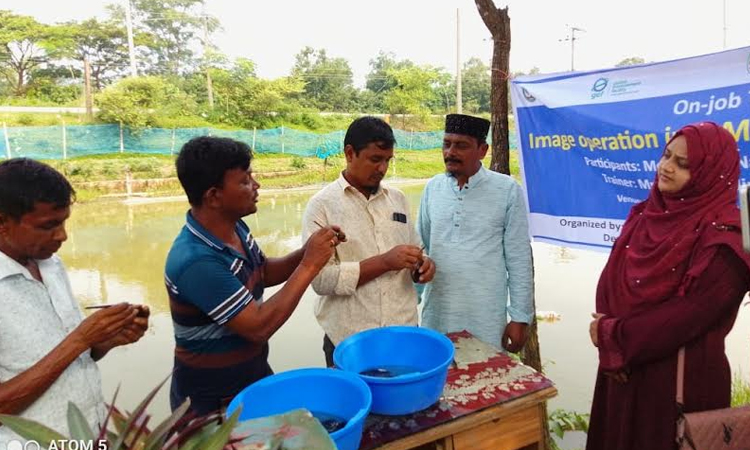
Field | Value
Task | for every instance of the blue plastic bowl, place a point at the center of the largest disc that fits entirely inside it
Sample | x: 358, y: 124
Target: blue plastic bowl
x: 421, y: 354
x: 328, y: 392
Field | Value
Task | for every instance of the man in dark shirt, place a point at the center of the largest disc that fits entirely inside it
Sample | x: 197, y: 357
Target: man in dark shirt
x: 216, y: 274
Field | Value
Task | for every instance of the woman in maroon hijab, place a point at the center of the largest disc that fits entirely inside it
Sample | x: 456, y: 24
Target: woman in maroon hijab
x: 676, y: 277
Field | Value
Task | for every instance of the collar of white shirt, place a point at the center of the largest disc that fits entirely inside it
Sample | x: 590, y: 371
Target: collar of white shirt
x: 343, y: 184
x: 10, y: 267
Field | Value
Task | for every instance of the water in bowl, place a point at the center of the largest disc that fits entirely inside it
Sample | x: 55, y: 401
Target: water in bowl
x: 389, y: 371
x: 330, y: 422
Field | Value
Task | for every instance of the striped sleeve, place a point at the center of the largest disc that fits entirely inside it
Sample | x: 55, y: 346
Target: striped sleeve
x: 210, y: 286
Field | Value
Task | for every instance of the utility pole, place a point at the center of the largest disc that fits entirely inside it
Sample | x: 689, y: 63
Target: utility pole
x: 572, y: 38
x: 459, y: 95
x: 206, y: 46
x: 87, y: 89
x: 573, y: 47
x: 131, y: 46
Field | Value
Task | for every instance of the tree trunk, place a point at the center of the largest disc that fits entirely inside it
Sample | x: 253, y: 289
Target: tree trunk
x: 209, y: 89
x: 497, y: 21
x: 96, y: 76
x: 531, y: 355
x: 88, y: 99
x: 499, y: 97
x: 19, y: 85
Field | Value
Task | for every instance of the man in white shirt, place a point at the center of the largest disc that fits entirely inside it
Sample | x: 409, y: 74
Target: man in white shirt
x: 47, y: 348
x: 369, y: 281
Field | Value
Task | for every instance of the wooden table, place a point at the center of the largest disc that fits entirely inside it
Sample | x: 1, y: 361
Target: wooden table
x: 490, y: 402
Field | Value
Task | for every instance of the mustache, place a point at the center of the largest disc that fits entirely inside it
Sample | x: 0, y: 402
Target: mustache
x: 452, y: 160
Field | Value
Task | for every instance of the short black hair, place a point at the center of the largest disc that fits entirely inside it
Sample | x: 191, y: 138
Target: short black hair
x: 25, y: 182
x: 366, y: 130
x: 204, y: 160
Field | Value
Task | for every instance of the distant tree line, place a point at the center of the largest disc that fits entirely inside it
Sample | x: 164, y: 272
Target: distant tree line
x: 44, y: 63
x: 184, y: 79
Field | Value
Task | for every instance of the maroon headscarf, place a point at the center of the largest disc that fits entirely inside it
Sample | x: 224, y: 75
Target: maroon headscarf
x: 669, y: 239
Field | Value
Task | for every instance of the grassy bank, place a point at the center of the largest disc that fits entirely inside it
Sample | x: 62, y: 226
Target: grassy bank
x: 103, y: 176
x: 740, y: 390
x: 44, y: 119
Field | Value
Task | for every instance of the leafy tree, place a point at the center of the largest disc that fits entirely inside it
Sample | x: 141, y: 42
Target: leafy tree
x: 378, y: 82
x: 368, y: 102
x: 443, y: 100
x: 328, y: 81
x: 475, y: 86
x: 243, y: 68
x: 413, y: 90
x: 166, y: 32
x: 25, y: 44
x: 56, y: 84
x: 6, y: 89
x: 377, y: 79
x: 633, y: 60
x: 137, y: 102
x: 389, y: 84
x: 533, y: 71
x: 195, y: 84
x: 103, y: 44
x: 245, y: 100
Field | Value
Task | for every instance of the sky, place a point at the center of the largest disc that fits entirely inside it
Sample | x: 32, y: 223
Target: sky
x: 271, y: 32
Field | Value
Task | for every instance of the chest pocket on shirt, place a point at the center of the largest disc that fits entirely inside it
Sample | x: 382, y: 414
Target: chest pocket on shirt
x: 399, y: 228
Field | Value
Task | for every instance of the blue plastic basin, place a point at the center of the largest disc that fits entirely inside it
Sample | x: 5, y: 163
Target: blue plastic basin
x: 328, y: 392
x: 427, y: 352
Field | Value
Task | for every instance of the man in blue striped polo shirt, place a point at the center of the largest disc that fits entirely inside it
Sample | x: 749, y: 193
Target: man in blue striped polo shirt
x: 216, y: 274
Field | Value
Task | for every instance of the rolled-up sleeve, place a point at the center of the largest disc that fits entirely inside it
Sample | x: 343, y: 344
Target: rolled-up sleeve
x: 340, y: 278
x: 336, y: 278
x: 518, y: 260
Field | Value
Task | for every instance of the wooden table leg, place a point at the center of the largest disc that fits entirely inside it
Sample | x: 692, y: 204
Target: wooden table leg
x: 444, y: 444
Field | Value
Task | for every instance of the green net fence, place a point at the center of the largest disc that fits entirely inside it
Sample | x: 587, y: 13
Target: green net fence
x: 59, y: 142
